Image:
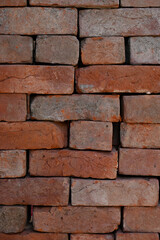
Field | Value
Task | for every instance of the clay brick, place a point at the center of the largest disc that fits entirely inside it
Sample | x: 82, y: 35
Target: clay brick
x: 144, y: 162
x: 137, y: 236
x: 33, y: 135
x: 28, y: 235
x: 12, y: 219
x: 92, y: 237
x: 12, y: 163
x: 76, y: 219
x: 119, y: 22
x: 136, y: 79
x: 76, y: 3
x: 141, y: 3
x: 141, y: 219
x: 85, y: 164
x: 16, y: 49
x: 57, y: 49
x: 119, y: 192
x: 141, y: 109
x: 33, y: 21
x: 34, y: 191
x: 12, y: 3
x: 91, y: 135
x: 36, y: 79
x: 140, y: 135
x: 109, y: 50
x: 145, y: 50
x: 13, y: 107
x: 76, y: 107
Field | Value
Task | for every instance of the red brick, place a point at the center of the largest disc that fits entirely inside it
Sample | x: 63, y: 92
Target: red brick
x: 76, y: 107
x: 16, y: 49
x: 140, y: 135
x: 76, y: 3
x: 101, y: 50
x: 36, y: 79
x: 119, y: 22
x: 33, y: 135
x: 85, y: 164
x: 141, y: 219
x: 119, y: 192
x: 12, y: 163
x: 144, y: 162
x: 141, y: 3
x: 145, y: 50
x: 12, y: 3
x: 91, y: 135
x: 12, y: 219
x: 136, y: 79
x: 92, y: 237
x: 137, y: 236
x: 13, y: 107
x: 141, y: 109
x: 30, y: 235
x: 76, y: 219
x: 33, y: 21
x: 35, y: 191
x: 57, y: 49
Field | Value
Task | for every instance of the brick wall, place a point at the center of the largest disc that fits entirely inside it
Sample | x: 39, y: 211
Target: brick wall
x: 79, y: 119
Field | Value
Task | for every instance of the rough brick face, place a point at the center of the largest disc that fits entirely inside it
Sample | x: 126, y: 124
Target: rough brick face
x: 141, y: 3
x: 76, y: 107
x: 137, y: 236
x: 12, y: 3
x: 76, y: 219
x: 92, y: 237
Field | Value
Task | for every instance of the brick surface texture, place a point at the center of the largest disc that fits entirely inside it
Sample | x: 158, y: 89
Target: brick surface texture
x: 79, y: 119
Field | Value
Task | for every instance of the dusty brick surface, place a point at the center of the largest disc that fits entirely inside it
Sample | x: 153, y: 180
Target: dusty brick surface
x: 12, y: 163
x: 91, y: 135
x: 141, y: 219
x: 92, y: 237
x: 76, y: 107
x: 33, y: 135
x: 65, y: 163
x: 131, y: 79
x: 76, y: 219
x: 119, y: 192
x: 12, y: 219
x: 16, y: 49
x: 145, y: 50
x: 100, y: 50
x: 35, y: 191
x: 57, y: 49
x: 137, y: 236
x: 36, y: 79
x: 11, y: 3
x: 34, y: 21
x: 140, y: 135
x: 142, y: 3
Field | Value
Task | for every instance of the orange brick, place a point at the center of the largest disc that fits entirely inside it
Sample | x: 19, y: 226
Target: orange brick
x: 92, y: 237
x: 137, y: 236
x: 141, y: 3
x: 12, y: 3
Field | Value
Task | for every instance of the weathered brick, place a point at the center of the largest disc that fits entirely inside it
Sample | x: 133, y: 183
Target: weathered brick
x: 13, y: 107
x: 65, y: 163
x: 57, y: 49
x: 91, y: 135
x: 28, y: 235
x: 103, y: 50
x: 12, y: 219
x: 141, y: 219
x: 119, y: 22
x: 33, y: 21
x: 76, y: 3
x: 36, y: 79
x: 144, y: 162
x: 141, y: 3
x: 137, y: 79
x: 140, y: 135
x: 35, y: 191
x: 145, y: 50
x: 92, y: 237
x: 141, y: 109
x: 137, y: 236
x: 16, y: 49
x: 119, y: 192
x: 76, y: 219
x: 12, y: 163
x: 32, y: 135
x: 12, y: 3
x: 76, y: 107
